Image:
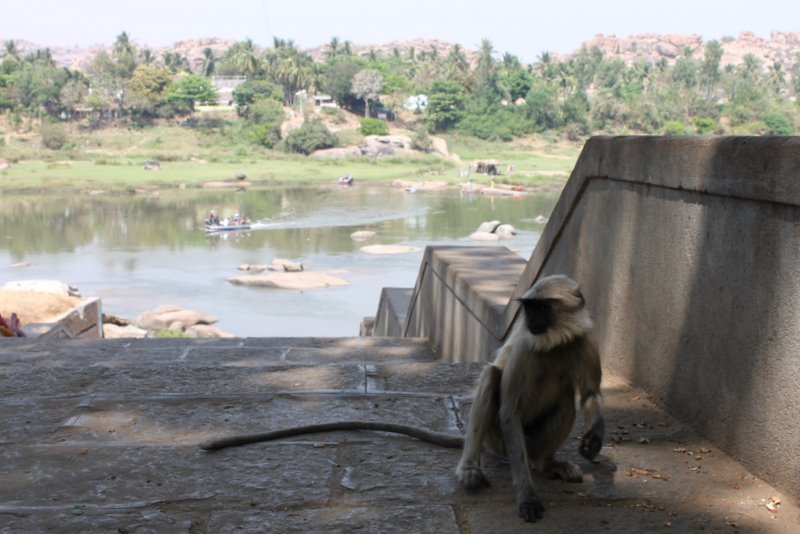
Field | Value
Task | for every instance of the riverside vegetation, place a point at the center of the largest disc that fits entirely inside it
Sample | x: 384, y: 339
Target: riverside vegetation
x: 68, y: 128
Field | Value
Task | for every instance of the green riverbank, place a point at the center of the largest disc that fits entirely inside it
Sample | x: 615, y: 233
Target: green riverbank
x: 112, y: 159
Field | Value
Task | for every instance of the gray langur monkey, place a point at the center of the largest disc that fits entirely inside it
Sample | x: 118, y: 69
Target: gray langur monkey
x: 525, y: 404
x: 524, y: 407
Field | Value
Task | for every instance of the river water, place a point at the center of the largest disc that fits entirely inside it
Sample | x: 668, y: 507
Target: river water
x: 137, y: 252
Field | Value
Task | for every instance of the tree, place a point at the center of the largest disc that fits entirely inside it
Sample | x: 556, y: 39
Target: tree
x: 10, y: 51
x: 486, y: 73
x: 182, y: 94
x: 445, y: 104
x: 146, y: 57
x: 338, y: 81
x: 209, y: 63
x: 253, y: 91
x: 312, y: 135
x: 333, y: 48
x: 777, y: 78
x: 709, y: 71
x: 456, y: 66
x: 367, y: 85
x: 73, y: 94
x: 176, y: 62
x: 245, y: 57
x: 264, y: 122
x: 290, y: 68
x: 684, y: 72
x: 124, y: 54
x: 542, y: 105
x: 147, y: 86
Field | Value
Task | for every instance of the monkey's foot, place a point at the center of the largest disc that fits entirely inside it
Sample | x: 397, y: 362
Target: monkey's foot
x: 471, y: 475
x: 531, y: 510
x: 566, y: 471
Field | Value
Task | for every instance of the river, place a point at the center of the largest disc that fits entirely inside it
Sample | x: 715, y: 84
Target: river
x: 137, y: 252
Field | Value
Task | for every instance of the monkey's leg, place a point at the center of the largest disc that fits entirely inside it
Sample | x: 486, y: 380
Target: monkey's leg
x: 482, y: 420
x: 546, y: 435
x: 529, y: 506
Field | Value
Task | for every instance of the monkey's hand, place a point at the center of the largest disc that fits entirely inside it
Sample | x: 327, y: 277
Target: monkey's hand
x: 592, y: 440
x: 471, y: 475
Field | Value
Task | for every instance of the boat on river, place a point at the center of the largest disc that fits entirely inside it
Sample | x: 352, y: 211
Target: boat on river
x: 221, y: 227
x: 215, y: 224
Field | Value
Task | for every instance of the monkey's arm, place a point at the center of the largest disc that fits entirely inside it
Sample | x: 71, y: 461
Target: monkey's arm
x: 591, y: 403
x: 437, y: 438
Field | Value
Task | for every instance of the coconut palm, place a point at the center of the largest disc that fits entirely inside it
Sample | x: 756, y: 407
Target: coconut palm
x: 456, y: 65
x: 245, y: 58
x: 209, y: 63
x: 333, y: 48
x: 123, y: 45
x: 147, y: 57
x: 11, y: 51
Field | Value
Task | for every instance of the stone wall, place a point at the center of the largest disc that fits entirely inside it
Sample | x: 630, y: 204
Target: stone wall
x: 688, y: 252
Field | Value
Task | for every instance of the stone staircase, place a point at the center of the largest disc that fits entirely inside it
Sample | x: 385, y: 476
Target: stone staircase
x: 101, y: 436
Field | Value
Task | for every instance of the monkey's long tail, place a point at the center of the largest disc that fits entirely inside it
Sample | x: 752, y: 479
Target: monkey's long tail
x: 437, y: 438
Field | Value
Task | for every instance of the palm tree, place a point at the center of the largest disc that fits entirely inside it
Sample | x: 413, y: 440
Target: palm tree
x: 546, y: 67
x: 456, y: 65
x: 11, y: 51
x: 209, y: 63
x: 147, y: 57
x: 751, y: 67
x: 291, y: 69
x: 347, y: 48
x: 333, y: 48
x: 246, y: 58
x: 123, y: 45
x: 777, y: 78
x: 511, y: 62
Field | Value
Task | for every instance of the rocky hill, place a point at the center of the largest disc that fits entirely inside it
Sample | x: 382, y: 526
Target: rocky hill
x: 779, y: 47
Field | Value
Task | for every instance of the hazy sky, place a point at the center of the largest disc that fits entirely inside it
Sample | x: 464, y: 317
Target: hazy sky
x: 523, y: 27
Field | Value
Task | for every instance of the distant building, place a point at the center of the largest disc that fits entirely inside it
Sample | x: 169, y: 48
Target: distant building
x: 416, y: 103
x: 225, y: 86
x: 324, y: 101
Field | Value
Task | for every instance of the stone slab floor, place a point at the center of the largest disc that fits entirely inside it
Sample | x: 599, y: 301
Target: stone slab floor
x: 101, y: 436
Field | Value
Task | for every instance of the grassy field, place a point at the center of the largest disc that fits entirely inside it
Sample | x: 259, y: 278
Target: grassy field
x: 113, y: 159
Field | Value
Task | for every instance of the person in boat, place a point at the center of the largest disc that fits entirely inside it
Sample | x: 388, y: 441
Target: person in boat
x: 212, y: 218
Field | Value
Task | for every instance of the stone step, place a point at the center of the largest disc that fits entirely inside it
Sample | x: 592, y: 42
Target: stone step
x: 245, y: 351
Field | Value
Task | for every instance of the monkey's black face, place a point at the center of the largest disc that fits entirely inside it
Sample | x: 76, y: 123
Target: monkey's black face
x: 538, y: 315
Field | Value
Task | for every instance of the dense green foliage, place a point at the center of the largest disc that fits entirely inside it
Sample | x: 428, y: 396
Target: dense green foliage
x: 486, y: 96
x: 312, y: 135
x: 371, y: 126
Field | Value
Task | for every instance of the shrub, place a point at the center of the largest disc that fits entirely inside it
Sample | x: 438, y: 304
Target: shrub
x: 337, y: 115
x: 421, y: 141
x: 704, y: 125
x: 54, y: 136
x: 778, y: 124
x: 312, y: 135
x: 370, y: 126
x: 674, y: 128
